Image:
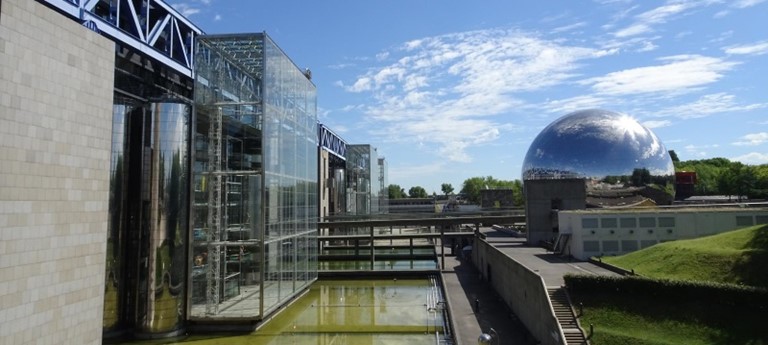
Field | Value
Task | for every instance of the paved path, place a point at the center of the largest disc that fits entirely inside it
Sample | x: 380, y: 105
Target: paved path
x: 550, y: 266
x: 463, y: 286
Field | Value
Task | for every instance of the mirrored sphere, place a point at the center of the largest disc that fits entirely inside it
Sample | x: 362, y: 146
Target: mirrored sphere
x: 623, y: 162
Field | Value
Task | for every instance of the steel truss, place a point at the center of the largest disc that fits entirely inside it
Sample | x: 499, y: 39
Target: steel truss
x: 151, y: 27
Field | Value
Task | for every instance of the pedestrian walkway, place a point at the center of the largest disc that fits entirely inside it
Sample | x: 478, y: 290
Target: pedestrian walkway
x: 476, y: 308
x: 466, y: 290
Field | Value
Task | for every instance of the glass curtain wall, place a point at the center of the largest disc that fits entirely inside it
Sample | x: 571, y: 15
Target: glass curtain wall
x: 254, y: 179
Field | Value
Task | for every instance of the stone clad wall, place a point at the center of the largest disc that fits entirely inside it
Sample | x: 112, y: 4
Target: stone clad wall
x: 56, y: 89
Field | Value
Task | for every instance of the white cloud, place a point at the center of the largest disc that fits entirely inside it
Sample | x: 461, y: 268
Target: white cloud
x: 632, y: 30
x: 752, y: 158
x: 657, y: 123
x: 568, y: 105
x: 709, y: 104
x: 217, y: 18
x: 758, y: 48
x: 568, y: 27
x: 678, y: 73
x: 186, y: 9
x: 645, y: 21
x: 450, y: 91
x: 753, y: 139
x: 647, y: 46
x: 699, y: 150
x: 746, y: 3
x: 362, y: 84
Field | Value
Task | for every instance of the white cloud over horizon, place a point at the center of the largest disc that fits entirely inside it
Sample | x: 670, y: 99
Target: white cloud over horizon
x: 752, y: 158
x: 707, y: 105
x: 677, y: 73
x: 449, y: 90
x: 752, y: 139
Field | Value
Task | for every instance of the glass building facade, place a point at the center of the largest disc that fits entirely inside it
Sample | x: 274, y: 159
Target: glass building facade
x: 366, y: 181
x: 254, y: 219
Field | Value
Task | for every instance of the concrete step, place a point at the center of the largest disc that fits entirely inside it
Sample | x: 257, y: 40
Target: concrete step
x: 565, y: 316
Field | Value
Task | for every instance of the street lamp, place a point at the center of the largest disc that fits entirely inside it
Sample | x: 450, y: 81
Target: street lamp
x: 487, y: 339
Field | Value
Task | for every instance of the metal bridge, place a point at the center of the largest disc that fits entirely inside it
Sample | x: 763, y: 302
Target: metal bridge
x: 436, y: 229
x: 151, y: 27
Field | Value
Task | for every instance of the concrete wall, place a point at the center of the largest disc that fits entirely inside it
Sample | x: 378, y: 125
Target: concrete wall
x: 616, y: 232
x: 523, y: 290
x: 540, y: 195
x: 56, y: 81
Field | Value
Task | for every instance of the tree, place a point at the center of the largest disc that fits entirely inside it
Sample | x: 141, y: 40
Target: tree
x: 417, y: 192
x: 674, y: 157
x: 446, y: 188
x: 472, y: 187
x: 395, y: 192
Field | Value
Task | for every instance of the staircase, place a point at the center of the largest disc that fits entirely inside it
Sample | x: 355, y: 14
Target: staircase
x: 562, y: 306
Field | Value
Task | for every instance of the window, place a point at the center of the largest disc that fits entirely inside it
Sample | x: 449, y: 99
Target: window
x: 608, y: 222
x: 589, y: 223
x: 647, y: 222
x: 666, y: 222
x: 628, y: 222
x: 744, y: 221
x: 610, y: 246
x: 591, y: 246
x: 628, y: 246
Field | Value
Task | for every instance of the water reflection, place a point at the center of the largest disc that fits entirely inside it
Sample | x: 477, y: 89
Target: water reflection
x: 347, y: 312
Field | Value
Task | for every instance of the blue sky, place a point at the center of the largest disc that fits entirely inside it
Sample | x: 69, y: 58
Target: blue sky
x: 448, y: 90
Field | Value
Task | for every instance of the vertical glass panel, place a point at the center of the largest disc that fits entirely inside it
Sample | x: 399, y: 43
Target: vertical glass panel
x: 257, y: 117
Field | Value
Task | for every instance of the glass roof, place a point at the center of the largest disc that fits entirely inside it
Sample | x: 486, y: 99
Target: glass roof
x: 247, y: 50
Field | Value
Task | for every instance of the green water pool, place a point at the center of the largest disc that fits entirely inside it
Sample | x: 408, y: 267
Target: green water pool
x: 341, y: 312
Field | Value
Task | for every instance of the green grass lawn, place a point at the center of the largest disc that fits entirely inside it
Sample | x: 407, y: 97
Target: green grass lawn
x: 738, y: 257
x: 618, y: 321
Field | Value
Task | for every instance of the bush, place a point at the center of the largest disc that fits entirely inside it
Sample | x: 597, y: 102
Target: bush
x: 677, y: 291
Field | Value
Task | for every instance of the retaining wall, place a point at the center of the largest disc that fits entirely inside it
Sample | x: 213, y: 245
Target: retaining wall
x: 522, y: 289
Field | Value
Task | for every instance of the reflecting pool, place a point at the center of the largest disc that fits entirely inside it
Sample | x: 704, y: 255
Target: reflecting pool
x: 347, y: 312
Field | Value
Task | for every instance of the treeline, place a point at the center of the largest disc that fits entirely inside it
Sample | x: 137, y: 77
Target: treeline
x: 470, y: 189
x: 720, y: 176
x: 715, y: 176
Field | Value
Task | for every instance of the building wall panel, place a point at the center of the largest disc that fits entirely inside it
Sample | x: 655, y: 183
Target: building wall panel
x: 56, y: 81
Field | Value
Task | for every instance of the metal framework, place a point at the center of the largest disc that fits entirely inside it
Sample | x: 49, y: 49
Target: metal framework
x: 332, y: 142
x: 214, y: 216
x: 151, y: 27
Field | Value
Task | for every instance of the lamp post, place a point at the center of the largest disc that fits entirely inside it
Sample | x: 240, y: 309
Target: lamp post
x: 487, y: 339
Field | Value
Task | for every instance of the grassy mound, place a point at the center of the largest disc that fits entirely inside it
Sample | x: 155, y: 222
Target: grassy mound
x: 737, y: 257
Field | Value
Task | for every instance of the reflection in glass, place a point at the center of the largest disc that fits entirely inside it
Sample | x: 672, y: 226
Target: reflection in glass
x: 161, y: 284
x: 623, y: 162
x: 114, y: 290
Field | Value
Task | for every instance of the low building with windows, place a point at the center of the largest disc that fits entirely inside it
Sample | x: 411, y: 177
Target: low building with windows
x: 597, y: 232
